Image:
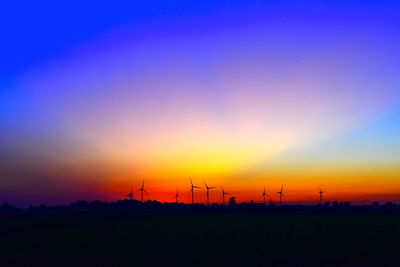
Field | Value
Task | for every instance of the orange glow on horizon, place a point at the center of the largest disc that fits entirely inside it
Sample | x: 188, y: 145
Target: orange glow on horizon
x: 301, y: 185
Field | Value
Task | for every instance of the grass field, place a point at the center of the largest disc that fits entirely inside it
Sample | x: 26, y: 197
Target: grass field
x: 201, y: 240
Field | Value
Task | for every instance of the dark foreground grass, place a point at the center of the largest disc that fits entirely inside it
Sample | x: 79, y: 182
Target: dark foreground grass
x: 202, y: 239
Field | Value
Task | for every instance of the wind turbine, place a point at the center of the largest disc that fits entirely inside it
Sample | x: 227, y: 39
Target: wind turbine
x: 142, y: 190
x: 264, y: 195
x: 208, y: 193
x: 130, y: 195
x: 320, y: 195
x: 223, y: 195
x: 280, y: 196
x: 192, y: 187
x: 177, y: 196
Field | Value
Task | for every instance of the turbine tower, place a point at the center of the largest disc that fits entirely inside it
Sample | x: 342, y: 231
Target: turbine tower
x: 264, y: 195
x: 280, y: 196
x: 177, y: 196
x: 142, y: 190
x: 223, y: 195
x: 130, y: 195
x: 192, y: 187
x: 208, y: 193
x: 320, y: 195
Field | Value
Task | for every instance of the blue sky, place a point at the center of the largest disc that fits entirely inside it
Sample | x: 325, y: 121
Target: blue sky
x: 213, y: 89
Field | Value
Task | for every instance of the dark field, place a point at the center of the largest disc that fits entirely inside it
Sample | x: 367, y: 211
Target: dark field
x: 200, y: 239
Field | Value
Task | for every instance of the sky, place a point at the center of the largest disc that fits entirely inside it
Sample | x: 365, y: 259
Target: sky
x: 97, y: 97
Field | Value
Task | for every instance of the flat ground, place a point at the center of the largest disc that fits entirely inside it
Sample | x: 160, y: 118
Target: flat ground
x: 201, y: 239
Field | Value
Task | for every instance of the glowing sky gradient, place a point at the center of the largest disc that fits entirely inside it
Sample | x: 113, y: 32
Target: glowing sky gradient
x: 242, y: 94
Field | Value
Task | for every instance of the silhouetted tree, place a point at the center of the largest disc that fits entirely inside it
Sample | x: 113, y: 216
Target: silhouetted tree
x: 5, y: 207
x: 78, y: 204
x: 375, y: 204
x: 388, y: 204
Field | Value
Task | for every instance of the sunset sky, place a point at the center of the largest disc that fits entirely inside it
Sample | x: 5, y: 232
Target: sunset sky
x: 96, y: 97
